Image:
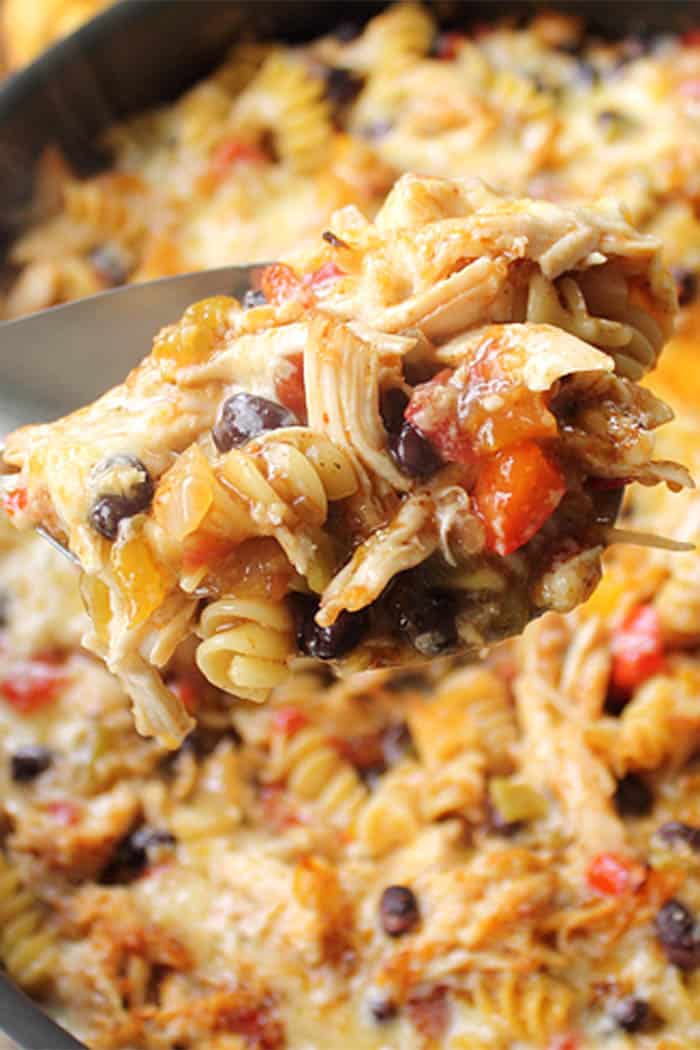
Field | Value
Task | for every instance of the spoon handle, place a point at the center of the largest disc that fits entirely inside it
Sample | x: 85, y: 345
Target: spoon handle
x: 83, y: 348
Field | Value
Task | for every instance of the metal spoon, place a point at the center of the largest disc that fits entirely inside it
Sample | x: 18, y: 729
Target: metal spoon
x: 23, y: 1021
x: 77, y: 351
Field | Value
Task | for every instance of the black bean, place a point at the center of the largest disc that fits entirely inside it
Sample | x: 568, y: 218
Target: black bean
x: 687, y: 285
x: 124, y: 488
x: 615, y: 703
x: 397, y: 743
x: 110, y: 264
x: 123, y: 475
x: 398, y: 910
x: 413, y: 453
x: 327, y: 643
x: 383, y: 1010
x: 29, y: 762
x: 134, y: 852
x: 244, y: 416
x: 342, y: 85
x: 105, y: 516
x: 631, y: 1014
x: 425, y: 617
x: 676, y: 831
x: 254, y: 297
x: 392, y: 405
x: 633, y: 796
x: 676, y: 929
x: 330, y: 238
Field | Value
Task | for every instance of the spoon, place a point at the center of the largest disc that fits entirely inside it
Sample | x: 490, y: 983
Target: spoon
x: 26, y: 1023
x: 82, y: 348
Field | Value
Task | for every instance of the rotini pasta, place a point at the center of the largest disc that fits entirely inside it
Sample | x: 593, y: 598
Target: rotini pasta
x: 315, y: 772
x: 660, y: 723
x: 390, y: 818
x: 246, y: 646
x: 285, y: 99
x: 27, y: 947
x: 532, y: 1007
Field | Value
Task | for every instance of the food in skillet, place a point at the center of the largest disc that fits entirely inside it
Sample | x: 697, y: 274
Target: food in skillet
x: 403, y: 444
x: 506, y: 857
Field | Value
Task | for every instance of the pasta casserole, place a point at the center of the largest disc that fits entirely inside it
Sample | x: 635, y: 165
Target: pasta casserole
x: 405, y: 443
x: 502, y: 855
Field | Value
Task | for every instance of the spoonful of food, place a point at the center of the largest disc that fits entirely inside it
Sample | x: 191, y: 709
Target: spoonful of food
x: 410, y: 439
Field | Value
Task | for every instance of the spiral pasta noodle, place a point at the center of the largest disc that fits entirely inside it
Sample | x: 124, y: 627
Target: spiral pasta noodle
x: 286, y: 479
x: 288, y: 100
x: 316, y: 773
x: 241, y: 65
x: 661, y: 723
x: 678, y: 601
x: 630, y: 338
x: 397, y: 38
x: 103, y: 206
x: 26, y: 947
x: 483, y: 699
x: 390, y: 817
x: 203, y: 114
x: 455, y: 787
x: 531, y: 1006
x: 246, y: 645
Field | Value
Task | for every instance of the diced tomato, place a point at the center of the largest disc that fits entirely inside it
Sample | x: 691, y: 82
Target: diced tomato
x: 522, y: 414
x: 563, y: 1042
x: 691, y: 38
x: 330, y: 271
x: 280, y: 282
x: 289, y: 385
x: 14, y: 501
x: 64, y: 812
x: 613, y: 874
x: 637, y: 649
x: 433, y: 410
x: 32, y: 684
x: 289, y: 720
x: 449, y: 45
x: 516, y: 491
x: 455, y: 410
x: 186, y: 691
x: 234, y: 151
